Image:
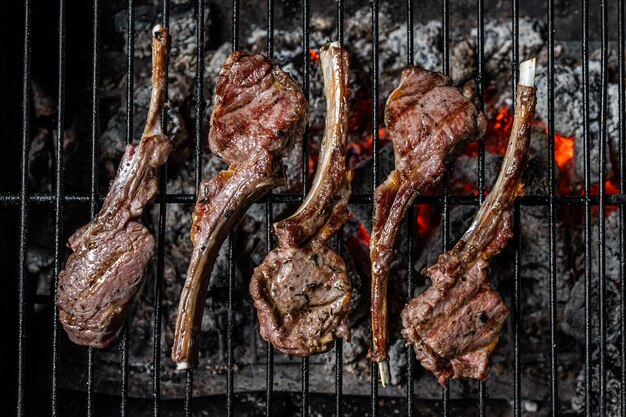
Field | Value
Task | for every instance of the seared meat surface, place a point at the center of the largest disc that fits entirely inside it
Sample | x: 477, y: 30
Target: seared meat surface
x: 301, y: 290
x: 259, y: 113
x: 428, y: 119
x: 455, y: 324
x: 101, y: 277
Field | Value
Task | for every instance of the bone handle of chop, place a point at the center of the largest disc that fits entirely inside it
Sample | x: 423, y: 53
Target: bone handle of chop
x: 527, y: 78
x: 383, y: 371
x: 527, y: 73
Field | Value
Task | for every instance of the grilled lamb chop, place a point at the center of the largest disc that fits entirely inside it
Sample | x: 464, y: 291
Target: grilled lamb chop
x: 259, y: 114
x: 301, y: 290
x: 455, y: 324
x: 101, y: 277
x: 428, y: 119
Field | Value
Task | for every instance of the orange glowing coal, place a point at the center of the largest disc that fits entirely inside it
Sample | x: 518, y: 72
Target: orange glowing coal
x: 424, y: 221
x: 357, y: 152
x: 363, y: 235
x: 563, y: 150
x: 497, y: 135
x: 314, y: 56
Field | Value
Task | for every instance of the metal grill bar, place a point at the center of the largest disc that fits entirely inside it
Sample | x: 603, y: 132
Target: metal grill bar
x: 21, y: 331
x: 130, y: 90
x: 58, y: 206
x: 374, y: 72
x: 230, y: 327
x: 305, y: 172
x: 269, y: 219
x: 602, y: 204
x: 587, y: 220
x: 622, y: 188
x: 340, y: 251
x: 410, y: 359
x: 456, y: 200
x: 554, y: 388
x: 445, y: 68
x: 517, y: 380
x: 93, y: 198
x: 480, y: 84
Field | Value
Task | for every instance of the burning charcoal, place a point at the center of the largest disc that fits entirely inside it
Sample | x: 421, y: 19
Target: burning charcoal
x: 569, y: 100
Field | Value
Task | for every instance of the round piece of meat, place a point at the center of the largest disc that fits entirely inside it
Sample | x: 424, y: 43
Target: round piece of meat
x: 302, y: 297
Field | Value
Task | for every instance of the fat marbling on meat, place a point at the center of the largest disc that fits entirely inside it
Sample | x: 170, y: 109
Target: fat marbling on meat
x: 96, y: 289
x: 301, y: 290
x: 428, y: 119
x: 455, y: 324
x: 259, y: 113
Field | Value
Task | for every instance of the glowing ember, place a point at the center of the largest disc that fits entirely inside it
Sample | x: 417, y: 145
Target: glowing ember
x: 360, y: 151
x: 363, y: 235
x: 498, y: 131
x: 609, y: 187
x: 425, y: 221
x: 563, y: 150
x: 314, y: 56
x: 497, y: 136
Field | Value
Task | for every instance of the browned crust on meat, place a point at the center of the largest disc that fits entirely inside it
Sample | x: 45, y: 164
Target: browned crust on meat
x: 302, y: 296
x: 96, y: 288
x: 259, y: 113
x: 223, y: 201
x: 456, y: 323
x: 255, y: 98
x: 315, y: 210
x: 428, y: 119
x: 301, y: 290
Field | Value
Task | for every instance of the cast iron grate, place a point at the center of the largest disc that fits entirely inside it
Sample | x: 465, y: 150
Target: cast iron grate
x: 59, y: 198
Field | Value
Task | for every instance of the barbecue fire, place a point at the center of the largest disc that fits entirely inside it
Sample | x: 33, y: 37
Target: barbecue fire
x: 314, y: 56
x: 563, y: 150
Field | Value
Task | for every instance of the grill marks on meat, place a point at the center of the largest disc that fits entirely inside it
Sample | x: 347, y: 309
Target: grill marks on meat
x: 257, y: 107
x: 428, y: 119
x: 259, y: 113
x: 101, y: 277
x: 301, y: 290
x: 455, y: 324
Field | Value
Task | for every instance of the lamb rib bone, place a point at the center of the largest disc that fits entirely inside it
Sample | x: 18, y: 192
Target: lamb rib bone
x: 258, y: 115
x: 428, y: 119
x: 301, y: 290
x: 96, y: 289
x: 455, y: 324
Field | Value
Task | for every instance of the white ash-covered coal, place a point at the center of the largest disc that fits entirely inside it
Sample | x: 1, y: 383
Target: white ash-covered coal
x: 250, y: 237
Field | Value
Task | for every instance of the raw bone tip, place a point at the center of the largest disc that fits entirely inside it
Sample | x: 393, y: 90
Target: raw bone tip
x: 527, y: 73
x: 156, y: 29
x: 180, y: 366
x: 383, y: 371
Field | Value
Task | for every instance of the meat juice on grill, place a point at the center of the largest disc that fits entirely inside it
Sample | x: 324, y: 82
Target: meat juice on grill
x: 428, y: 120
x: 96, y: 289
x: 301, y: 290
x: 455, y: 324
x: 259, y: 114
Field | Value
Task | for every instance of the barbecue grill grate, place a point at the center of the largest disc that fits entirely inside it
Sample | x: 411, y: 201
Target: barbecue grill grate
x: 59, y: 198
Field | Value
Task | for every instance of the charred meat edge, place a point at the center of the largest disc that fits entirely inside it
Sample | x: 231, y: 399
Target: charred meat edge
x: 391, y: 202
x: 316, y: 208
x: 322, y: 213
x: 485, y: 238
x: 134, y: 186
